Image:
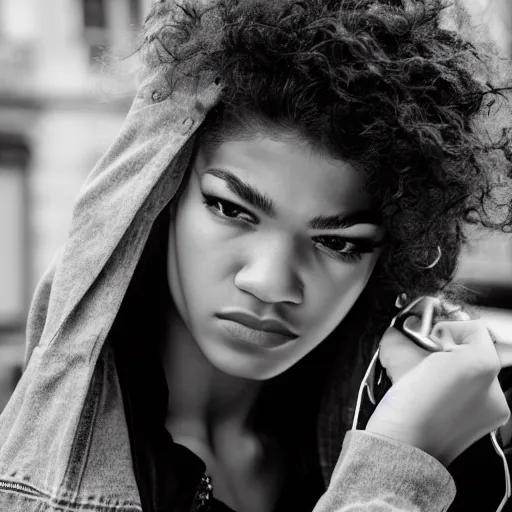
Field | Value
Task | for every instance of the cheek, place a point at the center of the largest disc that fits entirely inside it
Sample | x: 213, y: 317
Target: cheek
x: 193, y: 241
x: 331, y: 298
x: 201, y: 253
x: 192, y: 234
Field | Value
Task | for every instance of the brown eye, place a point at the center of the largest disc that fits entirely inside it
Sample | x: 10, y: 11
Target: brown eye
x: 227, y: 209
x: 336, y: 243
x: 343, y: 249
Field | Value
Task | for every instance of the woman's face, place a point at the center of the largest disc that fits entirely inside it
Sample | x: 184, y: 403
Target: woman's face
x: 270, y: 246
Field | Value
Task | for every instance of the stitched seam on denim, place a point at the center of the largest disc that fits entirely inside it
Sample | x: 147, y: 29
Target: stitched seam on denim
x: 65, y: 505
x: 9, y: 480
x: 80, y: 448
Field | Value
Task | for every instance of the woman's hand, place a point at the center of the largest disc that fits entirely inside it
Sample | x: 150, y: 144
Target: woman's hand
x: 441, y: 402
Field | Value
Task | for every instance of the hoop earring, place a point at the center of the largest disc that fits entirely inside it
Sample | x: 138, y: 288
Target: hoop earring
x: 401, y: 300
x: 435, y: 262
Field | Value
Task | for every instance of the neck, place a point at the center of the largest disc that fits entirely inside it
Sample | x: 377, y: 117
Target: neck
x: 200, y: 395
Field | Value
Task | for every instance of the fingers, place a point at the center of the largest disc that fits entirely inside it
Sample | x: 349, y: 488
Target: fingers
x: 504, y: 350
x: 471, y: 339
x: 441, y: 402
x: 501, y: 408
x: 463, y: 332
x: 398, y: 354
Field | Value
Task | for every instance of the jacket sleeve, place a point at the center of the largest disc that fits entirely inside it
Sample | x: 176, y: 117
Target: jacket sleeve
x: 378, y: 474
x: 39, y: 308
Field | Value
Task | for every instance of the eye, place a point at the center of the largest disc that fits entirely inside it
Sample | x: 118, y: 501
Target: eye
x: 227, y: 209
x: 343, y: 248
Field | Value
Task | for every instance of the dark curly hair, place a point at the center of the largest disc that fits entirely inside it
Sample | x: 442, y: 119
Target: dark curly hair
x: 374, y: 82
x: 378, y: 83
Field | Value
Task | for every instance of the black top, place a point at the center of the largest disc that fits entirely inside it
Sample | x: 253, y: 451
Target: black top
x: 169, y: 476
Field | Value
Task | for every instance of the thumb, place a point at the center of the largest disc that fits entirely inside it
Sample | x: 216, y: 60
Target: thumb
x: 466, y: 332
x: 472, y: 340
x: 398, y: 354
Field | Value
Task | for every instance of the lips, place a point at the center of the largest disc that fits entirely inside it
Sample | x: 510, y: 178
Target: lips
x: 245, y: 328
x: 269, y: 325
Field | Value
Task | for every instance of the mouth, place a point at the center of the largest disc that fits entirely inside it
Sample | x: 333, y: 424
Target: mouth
x: 265, y: 332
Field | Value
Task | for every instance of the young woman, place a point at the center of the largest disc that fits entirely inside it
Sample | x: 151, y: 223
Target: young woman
x: 286, y: 171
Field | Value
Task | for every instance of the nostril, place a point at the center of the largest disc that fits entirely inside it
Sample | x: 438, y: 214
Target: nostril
x: 269, y: 287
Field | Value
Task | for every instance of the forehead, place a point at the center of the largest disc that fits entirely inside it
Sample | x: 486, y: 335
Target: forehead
x: 291, y: 174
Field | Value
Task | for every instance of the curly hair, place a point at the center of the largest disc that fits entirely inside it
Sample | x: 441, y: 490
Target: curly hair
x: 376, y: 82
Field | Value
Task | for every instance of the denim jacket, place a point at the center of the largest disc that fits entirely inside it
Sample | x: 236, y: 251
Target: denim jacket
x: 64, y: 439
x: 63, y: 435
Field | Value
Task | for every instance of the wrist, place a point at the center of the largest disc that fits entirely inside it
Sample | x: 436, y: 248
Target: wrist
x: 415, y: 439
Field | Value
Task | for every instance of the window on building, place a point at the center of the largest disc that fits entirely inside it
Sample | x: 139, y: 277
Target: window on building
x: 109, y: 24
x: 95, y: 27
x: 13, y: 233
x: 14, y: 265
x: 135, y: 12
x: 94, y: 13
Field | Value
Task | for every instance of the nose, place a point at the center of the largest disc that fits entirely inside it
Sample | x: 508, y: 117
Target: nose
x: 270, y: 274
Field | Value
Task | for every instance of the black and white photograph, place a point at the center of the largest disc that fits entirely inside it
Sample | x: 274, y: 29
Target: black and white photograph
x: 255, y: 255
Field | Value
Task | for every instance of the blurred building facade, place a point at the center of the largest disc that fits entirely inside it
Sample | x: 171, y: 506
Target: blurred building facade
x: 496, y: 16
x: 62, y: 101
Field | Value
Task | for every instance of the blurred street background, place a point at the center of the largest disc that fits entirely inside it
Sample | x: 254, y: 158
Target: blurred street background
x: 66, y: 82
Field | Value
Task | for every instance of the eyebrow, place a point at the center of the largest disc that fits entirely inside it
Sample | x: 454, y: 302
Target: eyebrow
x: 263, y: 203
x: 245, y: 191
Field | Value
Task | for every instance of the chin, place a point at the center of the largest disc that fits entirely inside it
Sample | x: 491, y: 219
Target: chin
x: 252, y: 366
